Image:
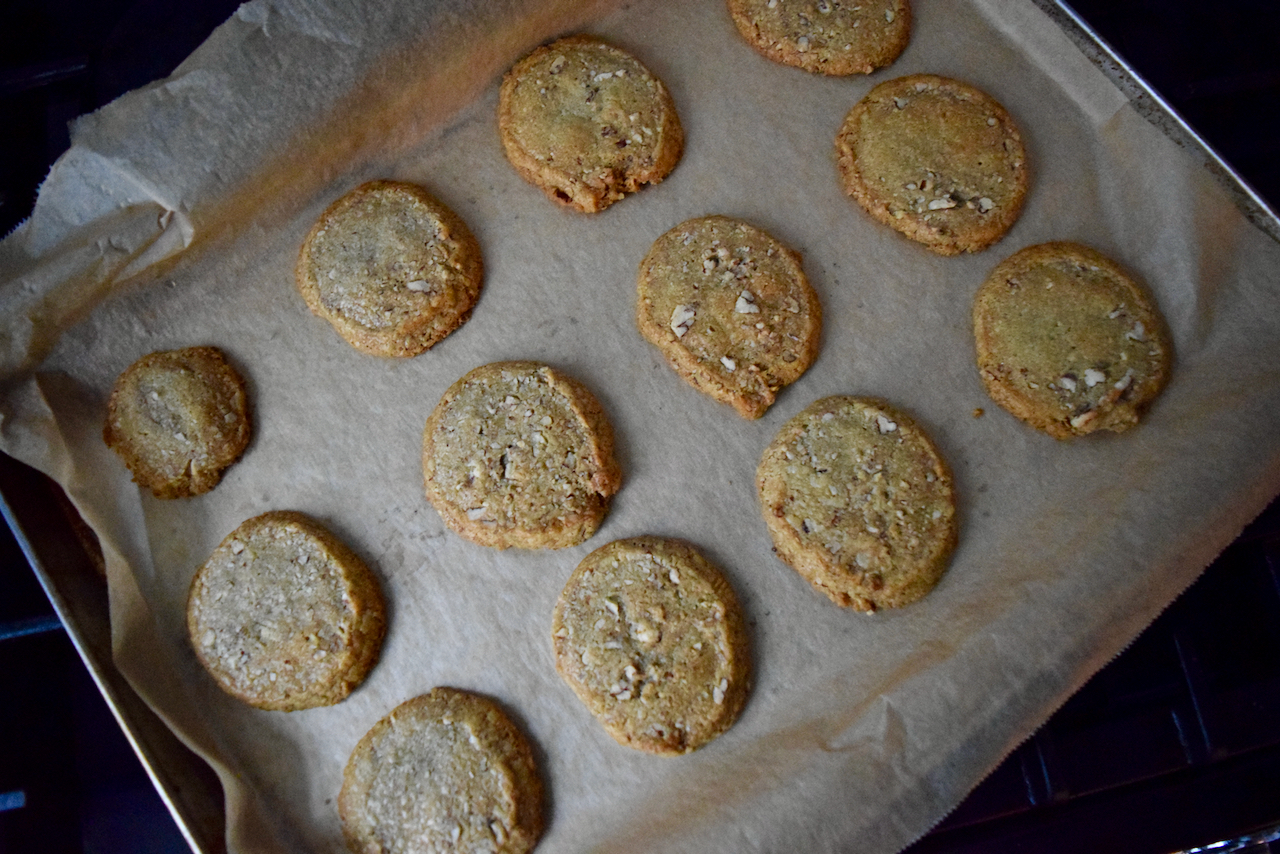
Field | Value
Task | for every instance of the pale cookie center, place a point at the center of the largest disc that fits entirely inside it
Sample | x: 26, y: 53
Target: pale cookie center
x: 382, y: 261
x: 930, y: 153
x: 511, y: 453
x: 864, y: 491
x: 586, y: 111
x: 267, y: 592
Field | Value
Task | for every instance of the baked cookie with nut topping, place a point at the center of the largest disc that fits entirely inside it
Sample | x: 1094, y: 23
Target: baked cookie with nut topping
x: 730, y: 309
x: 178, y: 419
x: 587, y: 123
x: 391, y: 268
x: 938, y: 160
x: 1068, y: 341
x: 836, y: 37
x: 649, y: 635
x: 444, y: 772
x: 518, y: 454
x: 285, y: 616
x: 858, y: 501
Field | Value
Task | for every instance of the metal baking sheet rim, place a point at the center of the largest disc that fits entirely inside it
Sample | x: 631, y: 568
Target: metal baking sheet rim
x: 1155, y: 109
x: 186, y: 785
x: 182, y: 779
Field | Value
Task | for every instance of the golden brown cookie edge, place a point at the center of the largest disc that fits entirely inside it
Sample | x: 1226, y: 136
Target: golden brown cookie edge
x: 506, y: 740
x: 809, y: 563
x: 141, y: 470
x: 366, y: 599
x: 415, y: 338
x: 689, y: 368
x: 859, y: 188
x: 735, y: 627
x: 574, y: 529
x: 1118, y: 419
x: 786, y: 54
x: 565, y: 190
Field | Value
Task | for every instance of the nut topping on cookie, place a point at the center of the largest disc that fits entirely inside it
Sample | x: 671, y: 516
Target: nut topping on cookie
x: 859, y: 502
x: 284, y: 616
x: 926, y: 156
x: 178, y: 419
x: 1054, y: 326
x: 587, y: 123
x: 835, y: 37
x: 517, y: 454
x: 391, y: 268
x: 736, y: 323
x: 648, y: 634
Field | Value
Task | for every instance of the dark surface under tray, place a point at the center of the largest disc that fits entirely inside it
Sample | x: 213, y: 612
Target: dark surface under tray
x: 1174, y: 745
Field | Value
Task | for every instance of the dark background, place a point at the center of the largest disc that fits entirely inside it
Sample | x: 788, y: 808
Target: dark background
x: 1174, y: 745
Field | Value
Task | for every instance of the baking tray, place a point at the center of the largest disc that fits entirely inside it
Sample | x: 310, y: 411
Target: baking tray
x: 62, y: 552
x: 64, y: 562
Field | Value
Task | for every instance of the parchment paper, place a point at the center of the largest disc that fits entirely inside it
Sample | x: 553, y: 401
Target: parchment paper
x: 176, y: 218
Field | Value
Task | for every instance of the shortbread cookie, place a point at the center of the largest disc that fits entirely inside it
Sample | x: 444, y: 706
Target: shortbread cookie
x: 731, y: 310
x: 935, y: 159
x: 825, y: 36
x: 587, y: 123
x: 284, y: 616
x: 391, y: 268
x: 444, y: 772
x: 859, y: 502
x: 517, y: 454
x: 178, y: 418
x: 1069, y: 342
x: 649, y: 635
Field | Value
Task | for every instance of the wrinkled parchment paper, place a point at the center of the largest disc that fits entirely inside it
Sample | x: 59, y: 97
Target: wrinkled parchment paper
x: 176, y: 218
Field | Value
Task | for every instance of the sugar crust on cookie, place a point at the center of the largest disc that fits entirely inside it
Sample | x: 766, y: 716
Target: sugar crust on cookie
x: 391, y: 268
x: 444, y: 772
x: 1068, y: 341
x: 519, y: 454
x: 859, y: 502
x: 587, y: 123
x: 178, y: 419
x: 936, y: 159
x: 650, y: 637
x: 284, y: 616
x: 835, y: 37
x: 731, y: 310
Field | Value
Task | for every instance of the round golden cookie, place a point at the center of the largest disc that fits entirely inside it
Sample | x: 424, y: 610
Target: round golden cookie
x: 587, y: 123
x: 936, y: 159
x: 518, y: 454
x: 178, y: 419
x: 731, y: 310
x: 391, y: 268
x: 444, y: 772
x: 284, y: 616
x: 1069, y: 342
x: 834, y: 37
x: 649, y: 635
x: 859, y: 502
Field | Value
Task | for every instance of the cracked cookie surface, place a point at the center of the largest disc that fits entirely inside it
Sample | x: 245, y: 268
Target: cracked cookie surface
x: 835, y: 37
x: 518, y: 454
x: 284, y: 616
x: 859, y: 502
x: 731, y: 310
x: 1068, y: 342
x: 650, y: 637
x: 444, y: 772
x: 587, y: 123
x: 391, y: 268
x: 937, y: 160
x: 178, y: 419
